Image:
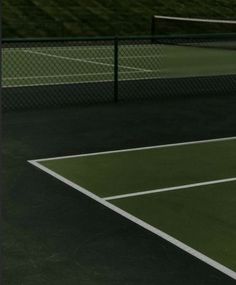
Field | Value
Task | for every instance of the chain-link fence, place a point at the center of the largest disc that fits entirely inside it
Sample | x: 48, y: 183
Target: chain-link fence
x: 40, y: 73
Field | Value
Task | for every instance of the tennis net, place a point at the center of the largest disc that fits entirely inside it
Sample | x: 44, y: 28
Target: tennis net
x: 216, y: 41
x: 166, y: 25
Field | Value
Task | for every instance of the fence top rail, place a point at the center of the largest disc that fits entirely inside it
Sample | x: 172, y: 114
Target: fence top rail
x: 124, y: 38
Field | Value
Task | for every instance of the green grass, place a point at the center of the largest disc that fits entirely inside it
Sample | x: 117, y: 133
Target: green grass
x: 204, y: 218
x: 55, y: 65
x: 37, y: 18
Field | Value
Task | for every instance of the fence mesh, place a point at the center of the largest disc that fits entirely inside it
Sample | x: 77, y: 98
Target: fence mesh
x: 58, y: 72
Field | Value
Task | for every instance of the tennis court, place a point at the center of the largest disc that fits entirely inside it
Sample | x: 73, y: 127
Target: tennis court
x: 184, y: 193
x: 52, y: 65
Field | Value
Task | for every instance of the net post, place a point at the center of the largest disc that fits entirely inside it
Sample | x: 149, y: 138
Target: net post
x: 116, y: 69
x: 153, y: 28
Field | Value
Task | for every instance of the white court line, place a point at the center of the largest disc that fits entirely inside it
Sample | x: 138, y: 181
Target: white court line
x: 98, y: 74
x: 101, y: 81
x: 120, y: 57
x: 76, y: 82
x: 220, y: 267
x: 111, y: 48
x: 140, y: 148
x: 83, y: 60
x: 142, y: 193
x: 111, y: 57
x: 73, y: 75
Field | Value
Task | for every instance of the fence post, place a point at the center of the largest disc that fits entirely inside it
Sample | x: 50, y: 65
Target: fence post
x: 116, y: 69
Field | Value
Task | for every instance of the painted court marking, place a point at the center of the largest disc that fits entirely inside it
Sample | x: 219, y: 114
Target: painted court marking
x: 84, y: 60
x: 97, y: 57
x: 140, y: 148
x: 136, y: 220
x: 142, y: 193
x: 73, y: 75
x: 110, y: 48
x: 80, y: 82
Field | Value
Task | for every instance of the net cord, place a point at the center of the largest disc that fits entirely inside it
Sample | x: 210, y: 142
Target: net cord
x: 195, y: 20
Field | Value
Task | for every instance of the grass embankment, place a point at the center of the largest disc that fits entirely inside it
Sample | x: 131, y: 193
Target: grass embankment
x: 40, y: 18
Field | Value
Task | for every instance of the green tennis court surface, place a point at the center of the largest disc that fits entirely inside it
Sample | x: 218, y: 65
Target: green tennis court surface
x: 32, y: 66
x: 185, y: 193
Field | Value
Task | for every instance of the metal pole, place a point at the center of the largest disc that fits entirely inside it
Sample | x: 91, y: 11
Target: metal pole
x: 153, y: 26
x: 153, y: 29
